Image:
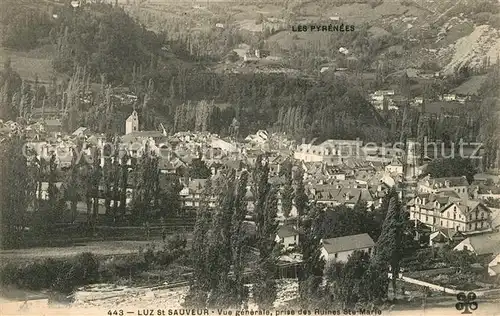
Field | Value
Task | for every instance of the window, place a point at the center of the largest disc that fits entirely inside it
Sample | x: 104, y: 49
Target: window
x: 441, y: 223
x: 465, y: 247
x: 336, y: 255
x: 426, y: 218
x: 454, y: 215
x: 470, y: 217
x: 434, y: 220
x: 448, y: 214
x: 476, y: 226
x: 482, y: 224
x: 482, y: 215
x: 458, y: 228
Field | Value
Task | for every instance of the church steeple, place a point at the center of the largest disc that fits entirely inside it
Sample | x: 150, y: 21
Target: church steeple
x: 132, y: 123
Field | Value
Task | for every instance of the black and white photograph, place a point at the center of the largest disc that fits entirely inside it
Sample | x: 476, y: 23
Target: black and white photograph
x: 249, y: 157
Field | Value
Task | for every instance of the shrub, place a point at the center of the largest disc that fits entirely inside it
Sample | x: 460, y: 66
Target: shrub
x: 260, y: 19
x: 482, y: 17
x: 233, y: 57
x: 9, y: 274
x: 57, y: 274
x: 375, y: 3
x: 177, y: 242
x: 149, y: 255
x: 128, y: 266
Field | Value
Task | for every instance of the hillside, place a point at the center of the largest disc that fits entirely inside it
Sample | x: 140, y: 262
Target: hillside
x: 448, y: 33
x: 197, y: 53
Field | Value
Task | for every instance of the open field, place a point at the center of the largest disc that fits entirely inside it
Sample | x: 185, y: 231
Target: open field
x: 32, y: 63
x: 99, y: 248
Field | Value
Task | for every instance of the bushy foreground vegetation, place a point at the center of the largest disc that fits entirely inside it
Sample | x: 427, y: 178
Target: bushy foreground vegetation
x: 66, y: 274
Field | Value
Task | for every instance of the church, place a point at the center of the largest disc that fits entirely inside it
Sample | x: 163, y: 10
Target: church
x: 133, y: 132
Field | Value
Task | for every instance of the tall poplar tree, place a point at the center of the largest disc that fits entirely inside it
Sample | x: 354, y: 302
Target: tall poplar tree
x: 287, y: 192
x: 389, y: 247
x: 200, y: 286
x: 313, y: 264
x: 217, y: 247
x: 266, y: 209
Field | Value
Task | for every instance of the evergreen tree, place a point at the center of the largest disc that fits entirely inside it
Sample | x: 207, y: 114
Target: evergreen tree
x: 107, y: 177
x: 287, y: 192
x: 237, y: 240
x: 52, y: 189
x: 266, y: 209
x: 116, y: 168
x: 95, y: 180
x: 313, y: 264
x: 349, y: 287
x: 389, y: 247
x: 200, y: 286
x: 124, y: 173
x: 301, y: 199
x: 217, y: 246
x: 199, y: 169
x: 264, y: 288
x: 73, y: 187
x: 13, y: 189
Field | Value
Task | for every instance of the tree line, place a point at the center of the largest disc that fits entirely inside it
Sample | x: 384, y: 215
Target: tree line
x: 221, y: 278
x: 93, y: 46
x: 111, y: 179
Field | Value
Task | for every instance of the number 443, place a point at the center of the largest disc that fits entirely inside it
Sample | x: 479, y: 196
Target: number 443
x: 115, y: 312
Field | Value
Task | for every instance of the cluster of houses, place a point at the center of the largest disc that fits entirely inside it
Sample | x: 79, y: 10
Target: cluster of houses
x: 446, y: 104
x: 336, y: 172
x: 385, y: 100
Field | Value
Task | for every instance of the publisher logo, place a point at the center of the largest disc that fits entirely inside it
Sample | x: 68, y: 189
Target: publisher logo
x: 467, y: 303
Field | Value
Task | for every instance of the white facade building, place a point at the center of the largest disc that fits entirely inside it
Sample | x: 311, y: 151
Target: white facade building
x: 132, y: 123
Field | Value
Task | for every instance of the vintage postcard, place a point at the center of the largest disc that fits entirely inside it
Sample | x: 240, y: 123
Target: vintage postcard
x: 249, y: 157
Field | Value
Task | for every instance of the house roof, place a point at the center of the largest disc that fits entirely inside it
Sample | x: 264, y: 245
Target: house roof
x: 347, y: 195
x: 132, y: 116
x: 438, y: 236
x: 287, y: 231
x: 446, y: 194
x: 53, y: 122
x: 486, y: 244
x: 451, y: 181
x: 496, y: 269
x: 197, y: 185
x: 79, y: 131
x: 465, y: 206
x: 485, y: 176
x: 346, y: 243
x: 450, y: 233
x: 495, y: 218
x: 142, y: 134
